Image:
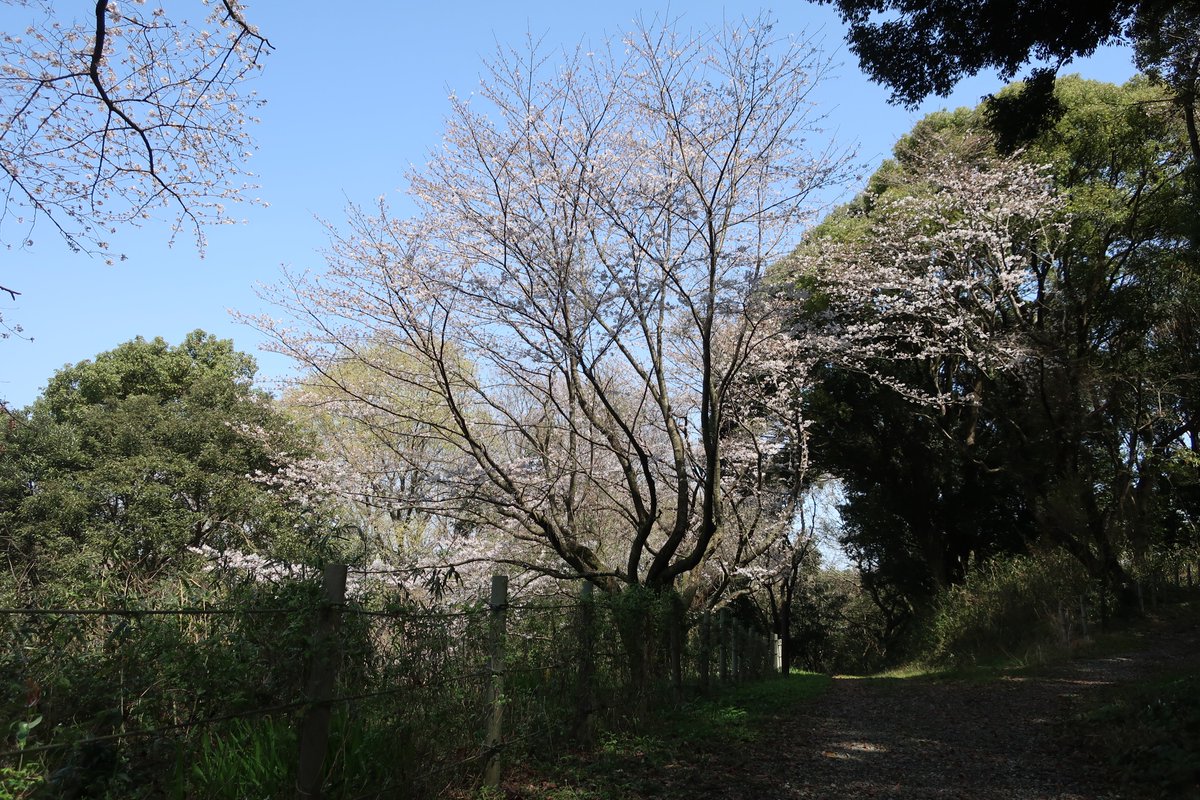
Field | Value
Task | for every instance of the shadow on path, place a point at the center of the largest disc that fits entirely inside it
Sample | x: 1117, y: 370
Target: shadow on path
x: 1005, y: 739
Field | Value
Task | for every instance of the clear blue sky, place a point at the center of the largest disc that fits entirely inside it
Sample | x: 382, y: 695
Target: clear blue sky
x: 356, y: 93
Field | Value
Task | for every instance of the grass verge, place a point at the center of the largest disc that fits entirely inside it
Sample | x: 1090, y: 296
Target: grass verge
x: 1149, y: 734
x: 660, y: 761
x: 1123, y: 636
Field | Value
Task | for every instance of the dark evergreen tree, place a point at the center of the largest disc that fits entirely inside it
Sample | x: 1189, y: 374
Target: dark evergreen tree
x: 128, y: 460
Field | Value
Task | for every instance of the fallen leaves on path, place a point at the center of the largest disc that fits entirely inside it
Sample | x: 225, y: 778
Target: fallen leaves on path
x: 925, y: 739
x: 1008, y: 739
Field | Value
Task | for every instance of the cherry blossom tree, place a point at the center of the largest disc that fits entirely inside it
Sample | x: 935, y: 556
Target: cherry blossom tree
x: 577, y: 296
x: 919, y: 301
x: 128, y: 111
x: 943, y: 274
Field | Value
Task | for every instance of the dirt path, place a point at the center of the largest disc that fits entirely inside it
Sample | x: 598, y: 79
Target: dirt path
x: 911, y: 739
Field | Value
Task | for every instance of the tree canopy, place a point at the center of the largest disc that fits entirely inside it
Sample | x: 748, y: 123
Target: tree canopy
x: 1063, y: 418
x: 576, y: 297
x: 130, y: 459
x: 108, y: 118
x: 919, y: 48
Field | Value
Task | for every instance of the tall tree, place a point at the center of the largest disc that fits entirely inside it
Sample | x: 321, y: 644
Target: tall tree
x: 576, y: 293
x: 1094, y: 396
x: 127, y: 461
x: 917, y: 286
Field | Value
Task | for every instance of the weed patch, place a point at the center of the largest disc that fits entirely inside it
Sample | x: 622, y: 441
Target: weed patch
x: 1150, y: 734
x: 652, y: 762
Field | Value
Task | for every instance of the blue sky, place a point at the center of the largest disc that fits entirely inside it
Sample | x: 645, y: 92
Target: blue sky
x: 355, y: 95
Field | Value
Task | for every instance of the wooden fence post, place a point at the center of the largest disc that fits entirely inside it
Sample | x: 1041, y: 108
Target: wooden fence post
x: 498, y: 604
x: 314, y: 730
x: 736, y: 656
x: 723, y: 633
x: 585, y: 697
x: 675, y: 615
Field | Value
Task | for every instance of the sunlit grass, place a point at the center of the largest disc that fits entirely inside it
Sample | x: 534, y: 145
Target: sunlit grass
x: 1121, y: 637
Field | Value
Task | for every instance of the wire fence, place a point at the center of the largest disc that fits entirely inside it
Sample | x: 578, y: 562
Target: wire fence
x: 292, y: 691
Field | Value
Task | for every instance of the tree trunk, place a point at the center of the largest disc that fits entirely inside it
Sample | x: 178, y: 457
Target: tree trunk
x: 643, y: 617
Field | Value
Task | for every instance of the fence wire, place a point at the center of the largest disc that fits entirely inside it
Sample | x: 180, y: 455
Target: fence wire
x: 411, y: 707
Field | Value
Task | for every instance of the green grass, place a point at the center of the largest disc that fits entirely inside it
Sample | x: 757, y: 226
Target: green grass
x: 1150, y: 735
x: 247, y: 758
x: 740, y: 713
x: 1122, y: 636
x: 650, y: 762
x: 982, y: 672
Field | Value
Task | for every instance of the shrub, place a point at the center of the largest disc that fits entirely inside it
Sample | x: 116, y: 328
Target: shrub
x: 1150, y: 734
x: 1008, y: 605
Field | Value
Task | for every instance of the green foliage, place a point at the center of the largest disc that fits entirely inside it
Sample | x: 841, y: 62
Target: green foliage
x: 414, y: 683
x: 627, y: 763
x: 128, y: 460
x: 97, y: 675
x: 1150, y: 734
x: 256, y: 758
x: 837, y: 628
x: 245, y: 758
x: 20, y: 783
x: 919, y: 49
x: 1081, y: 444
x: 917, y: 502
x: 108, y: 483
x: 1004, y: 606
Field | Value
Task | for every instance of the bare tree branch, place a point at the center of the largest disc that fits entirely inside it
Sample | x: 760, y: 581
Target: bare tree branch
x: 104, y: 123
x: 576, y: 298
